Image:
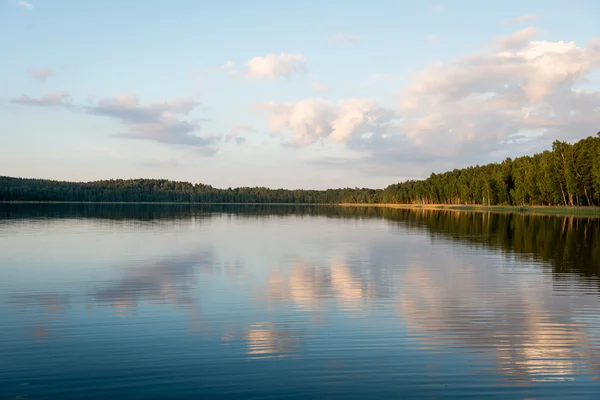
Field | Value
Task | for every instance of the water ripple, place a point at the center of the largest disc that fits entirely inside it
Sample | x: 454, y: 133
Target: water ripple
x: 318, y: 304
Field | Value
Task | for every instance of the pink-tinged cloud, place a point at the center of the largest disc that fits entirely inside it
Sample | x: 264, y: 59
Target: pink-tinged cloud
x: 273, y: 66
x: 52, y: 99
x: 320, y: 87
x: 309, y: 120
x: 42, y: 74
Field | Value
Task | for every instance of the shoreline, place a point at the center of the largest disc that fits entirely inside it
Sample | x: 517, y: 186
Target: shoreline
x: 529, y: 210
x: 179, y: 203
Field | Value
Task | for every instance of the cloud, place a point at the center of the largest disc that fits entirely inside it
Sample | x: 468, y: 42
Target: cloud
x: 517, y: 39
x: 52, y: 99
x: 127, y: 107
x: 433, y: 38
x: 312, y: 119
x: 525, y: 17
x: 26, y: 5
x: 342, y: 37
x: 466, y: 111
x: 436, y: 9
x: 229, y: 67
x: 42, y: 74
x: 234, y: 133
x: 270, y: 66
x: 474, y: 103
x: 320, y: 87
x: 273, y: 66
x: 163, y: 122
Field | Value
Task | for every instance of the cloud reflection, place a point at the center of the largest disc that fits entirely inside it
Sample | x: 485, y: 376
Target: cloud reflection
x: 311, y: 287
x: 168, y: 281
x: 46, y: 308
x: 265, y: 340
x: 517, y: 321
x: 529, y: 333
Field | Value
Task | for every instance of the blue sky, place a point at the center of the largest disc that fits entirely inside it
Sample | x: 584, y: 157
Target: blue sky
x: 314, y: 94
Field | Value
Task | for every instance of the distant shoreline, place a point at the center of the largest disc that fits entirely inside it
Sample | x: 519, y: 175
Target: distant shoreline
x: 182, y: 203
x: 536, y: 210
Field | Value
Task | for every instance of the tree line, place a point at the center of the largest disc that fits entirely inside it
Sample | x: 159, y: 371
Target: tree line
x: 567, y: 175
x: 162, y: 190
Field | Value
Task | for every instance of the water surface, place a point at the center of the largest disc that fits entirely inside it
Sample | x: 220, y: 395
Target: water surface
x: 185, y: 302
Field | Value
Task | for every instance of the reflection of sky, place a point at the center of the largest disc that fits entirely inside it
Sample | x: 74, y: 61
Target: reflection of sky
x: 169, y: 281
x: 298, y: 288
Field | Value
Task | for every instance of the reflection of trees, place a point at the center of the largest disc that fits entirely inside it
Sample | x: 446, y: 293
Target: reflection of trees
x: 528, y: 332
x: 570, y: 244
x: 162, y: 212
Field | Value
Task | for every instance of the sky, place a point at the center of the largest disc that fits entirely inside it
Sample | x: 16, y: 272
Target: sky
x: 312, y: 94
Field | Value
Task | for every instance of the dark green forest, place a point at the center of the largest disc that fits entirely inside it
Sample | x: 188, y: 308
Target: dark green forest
x: 566, y: 175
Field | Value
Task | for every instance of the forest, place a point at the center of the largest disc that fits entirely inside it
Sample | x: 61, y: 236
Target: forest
x: 566, y: 175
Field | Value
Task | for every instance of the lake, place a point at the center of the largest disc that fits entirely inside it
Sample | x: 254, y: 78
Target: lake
x: 296, y: 302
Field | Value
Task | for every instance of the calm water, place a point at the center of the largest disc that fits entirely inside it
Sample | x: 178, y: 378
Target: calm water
x: 183, y: 302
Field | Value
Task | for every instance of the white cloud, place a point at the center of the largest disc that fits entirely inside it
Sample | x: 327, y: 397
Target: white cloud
x: 229, y: 68
x: 342, y: 37
x: 517, y: 39
x: 462, y: 112
x: 320, y: 87
x: 478, y: 101
x: 310, y: 120
x: 273, y: 66
x: 525, y: 17
x: 42, y: 74
x: 25, y: 5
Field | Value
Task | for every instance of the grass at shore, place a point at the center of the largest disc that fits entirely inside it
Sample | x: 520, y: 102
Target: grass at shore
x: 537, y: 210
